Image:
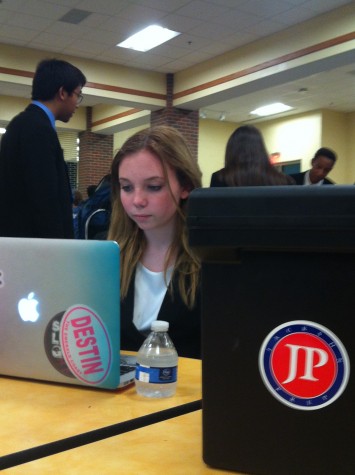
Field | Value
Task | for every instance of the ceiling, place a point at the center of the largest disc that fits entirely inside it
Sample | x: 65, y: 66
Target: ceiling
x: 208, y: 28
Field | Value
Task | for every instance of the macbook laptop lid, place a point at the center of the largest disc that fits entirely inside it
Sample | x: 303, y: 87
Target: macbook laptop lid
x: 60, y: 313
x: 278, y: 273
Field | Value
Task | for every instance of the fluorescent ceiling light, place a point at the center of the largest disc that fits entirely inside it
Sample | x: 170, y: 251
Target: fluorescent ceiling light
x: 148, y: 38
x: 275, y: 108
x: 2, y: 130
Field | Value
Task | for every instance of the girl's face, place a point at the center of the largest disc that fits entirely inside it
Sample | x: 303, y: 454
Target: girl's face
x: 145, y: 193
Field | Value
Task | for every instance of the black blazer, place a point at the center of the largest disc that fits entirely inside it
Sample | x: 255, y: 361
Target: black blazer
x: 184, y: 324
x: 299, y: 179
x: 35, y: 194
x: 217, y: 180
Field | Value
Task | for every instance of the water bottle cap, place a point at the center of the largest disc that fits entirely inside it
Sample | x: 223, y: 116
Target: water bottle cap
x: 160, y: 326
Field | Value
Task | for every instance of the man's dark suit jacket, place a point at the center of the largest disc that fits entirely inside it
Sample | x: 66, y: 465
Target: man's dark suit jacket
x: 184, y: 324
x: 299, y: 179
x: 35, y: 194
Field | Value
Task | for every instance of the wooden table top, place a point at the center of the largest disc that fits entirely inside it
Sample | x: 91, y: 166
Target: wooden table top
x: 33, y: 413
x: 172, y: 447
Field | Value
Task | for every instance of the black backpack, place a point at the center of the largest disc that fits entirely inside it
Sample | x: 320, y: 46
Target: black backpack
x: 93, y: 217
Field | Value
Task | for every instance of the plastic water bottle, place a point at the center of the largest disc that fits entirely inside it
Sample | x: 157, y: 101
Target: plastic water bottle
x: 157, y: 360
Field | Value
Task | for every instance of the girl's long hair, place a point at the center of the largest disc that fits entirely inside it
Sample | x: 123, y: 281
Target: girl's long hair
x: 169, y: 146
x: 247, y: 161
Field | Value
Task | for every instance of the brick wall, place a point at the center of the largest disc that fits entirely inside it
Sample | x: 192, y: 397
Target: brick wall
x: 96, y: 151
x: 95, y: 156
x: 185, y: 121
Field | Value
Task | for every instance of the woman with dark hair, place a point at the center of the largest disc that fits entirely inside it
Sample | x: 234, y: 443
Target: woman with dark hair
x: 247, y: 162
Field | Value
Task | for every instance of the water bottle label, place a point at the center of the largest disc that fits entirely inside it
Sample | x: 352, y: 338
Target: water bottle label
x: 148, y: 374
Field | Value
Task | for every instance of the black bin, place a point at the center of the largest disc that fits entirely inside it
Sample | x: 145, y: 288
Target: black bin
x: 278, y: 327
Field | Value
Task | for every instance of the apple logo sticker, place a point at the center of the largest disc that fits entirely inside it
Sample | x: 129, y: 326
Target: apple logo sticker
x: 27, y: 308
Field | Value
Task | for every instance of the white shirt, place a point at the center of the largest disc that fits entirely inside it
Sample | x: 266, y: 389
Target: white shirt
x: 307, y: 181
x: 149, y: 292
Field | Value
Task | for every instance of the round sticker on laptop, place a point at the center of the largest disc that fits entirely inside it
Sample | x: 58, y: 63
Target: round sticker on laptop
x: 304, y: 365
x: 85, y: 344
x: 53, y: 347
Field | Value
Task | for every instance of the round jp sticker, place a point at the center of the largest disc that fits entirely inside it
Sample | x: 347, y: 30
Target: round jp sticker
x: 304, y: 365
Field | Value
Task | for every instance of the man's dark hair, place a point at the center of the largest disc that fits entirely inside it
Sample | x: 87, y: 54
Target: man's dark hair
x: 51, y: 75
x: 325, y: 152
x: 90, y: 190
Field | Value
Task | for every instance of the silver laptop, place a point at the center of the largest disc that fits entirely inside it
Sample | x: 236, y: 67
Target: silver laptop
x: 60, y: 312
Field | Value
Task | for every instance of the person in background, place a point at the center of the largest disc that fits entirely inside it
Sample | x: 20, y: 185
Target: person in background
x: 152, y: 176
x: 90, y: 190
x: 247, y: 162
x: 77, y: 200
x: 32, y: 161
x: 93, y: 218
x: 322, y: 164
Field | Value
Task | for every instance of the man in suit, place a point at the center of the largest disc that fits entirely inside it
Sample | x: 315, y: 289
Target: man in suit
x: 35, y: 192
x: 322, y: 163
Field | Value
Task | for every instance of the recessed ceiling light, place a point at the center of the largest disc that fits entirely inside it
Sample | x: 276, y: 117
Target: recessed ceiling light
x: 150, y: 37
x: 275, y: 108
